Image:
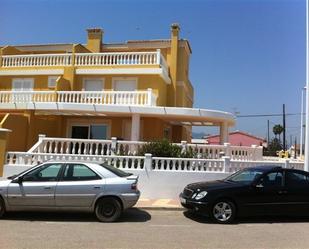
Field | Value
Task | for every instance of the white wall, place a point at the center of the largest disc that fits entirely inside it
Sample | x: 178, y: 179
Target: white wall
x: 153, y: 184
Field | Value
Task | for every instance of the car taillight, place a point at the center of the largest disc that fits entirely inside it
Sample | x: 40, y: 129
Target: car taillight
x: 134, y: 186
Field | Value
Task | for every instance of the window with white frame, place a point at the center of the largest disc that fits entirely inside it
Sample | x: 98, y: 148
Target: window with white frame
x: 52, y: 81
x: 22, y: 84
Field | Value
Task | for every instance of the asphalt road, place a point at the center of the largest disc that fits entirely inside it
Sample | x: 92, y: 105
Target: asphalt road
x: 149, y: 229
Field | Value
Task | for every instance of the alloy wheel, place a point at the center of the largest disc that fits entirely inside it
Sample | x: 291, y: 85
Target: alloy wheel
x: 222, y: 211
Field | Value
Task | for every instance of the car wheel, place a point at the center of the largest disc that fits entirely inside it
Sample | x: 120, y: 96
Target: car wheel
x: 2, y: 207
x: 223, y: 212
x: 108, y: 209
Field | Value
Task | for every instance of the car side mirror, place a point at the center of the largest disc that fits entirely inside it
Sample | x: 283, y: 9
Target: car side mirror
x: 18, y: 180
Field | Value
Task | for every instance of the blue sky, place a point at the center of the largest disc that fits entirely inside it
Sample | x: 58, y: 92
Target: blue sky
x: 248, y: 55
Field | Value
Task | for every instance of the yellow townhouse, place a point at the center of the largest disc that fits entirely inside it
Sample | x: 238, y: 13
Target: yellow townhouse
x: 138, y: 90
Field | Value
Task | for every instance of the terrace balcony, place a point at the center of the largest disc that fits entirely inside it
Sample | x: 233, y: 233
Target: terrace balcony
x: 88, y: 63
x: 12, y: 99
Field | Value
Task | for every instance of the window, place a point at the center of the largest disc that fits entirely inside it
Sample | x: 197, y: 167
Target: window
x: 245, y: 176
x: 273, y: 179
x: 79, y: 172
x: 52, y: 81
x: 46, y: 173
x: 116, y: 171
x: 22, y: 84
x: 296, y: 179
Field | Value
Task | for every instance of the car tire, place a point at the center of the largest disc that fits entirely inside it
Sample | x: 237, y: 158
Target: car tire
x: 223, y: 212
x: 108, y: 209
x: 2, y: 207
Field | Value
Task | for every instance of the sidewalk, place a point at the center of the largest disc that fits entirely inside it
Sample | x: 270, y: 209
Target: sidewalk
x: 169, y: 204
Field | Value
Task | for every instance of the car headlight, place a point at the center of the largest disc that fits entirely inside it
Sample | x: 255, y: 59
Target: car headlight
x: 200, y: 195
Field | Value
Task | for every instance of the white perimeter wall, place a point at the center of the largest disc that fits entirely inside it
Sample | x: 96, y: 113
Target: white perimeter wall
x: 153, y: 184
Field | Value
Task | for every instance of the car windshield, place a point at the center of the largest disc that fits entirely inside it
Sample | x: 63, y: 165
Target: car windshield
x: 245, y: 176
x: 116, y: 171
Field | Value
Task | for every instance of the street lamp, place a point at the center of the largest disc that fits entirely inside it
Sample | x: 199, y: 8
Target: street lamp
x: 302, y: 122
x: 306, y: 168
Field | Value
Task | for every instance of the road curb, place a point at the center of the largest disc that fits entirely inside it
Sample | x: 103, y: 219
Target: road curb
x: 161, y: 208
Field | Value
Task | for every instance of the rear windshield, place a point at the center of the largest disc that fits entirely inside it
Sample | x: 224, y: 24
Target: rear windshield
x: 116, y: 171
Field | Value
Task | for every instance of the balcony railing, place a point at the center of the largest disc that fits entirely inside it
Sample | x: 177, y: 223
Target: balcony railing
x: 85, y: 59
x: 40, y: 60
x: 147, y: 97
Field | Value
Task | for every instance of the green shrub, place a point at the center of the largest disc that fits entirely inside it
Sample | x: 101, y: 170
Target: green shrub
x: 164, y: 148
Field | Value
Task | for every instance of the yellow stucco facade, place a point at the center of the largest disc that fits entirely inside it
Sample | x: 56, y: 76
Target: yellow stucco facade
x: 168, y: 79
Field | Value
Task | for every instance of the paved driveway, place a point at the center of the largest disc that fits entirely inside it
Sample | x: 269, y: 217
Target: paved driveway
x: 149, y: 229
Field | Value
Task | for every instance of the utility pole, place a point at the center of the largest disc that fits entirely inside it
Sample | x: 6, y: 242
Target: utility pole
x: 306, y: 168
x: 284, y: 146
x: 302, y: 123
x: 267, y: 132
x: 295, y: 150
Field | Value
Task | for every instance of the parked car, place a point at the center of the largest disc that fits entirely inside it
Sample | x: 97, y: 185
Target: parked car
x: 263, y: 190
x: 79, y: 186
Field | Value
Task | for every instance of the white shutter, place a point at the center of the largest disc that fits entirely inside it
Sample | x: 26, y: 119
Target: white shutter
x: 17, y: 84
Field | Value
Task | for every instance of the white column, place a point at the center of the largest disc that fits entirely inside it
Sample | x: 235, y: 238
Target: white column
x: 306, y: 166
x: 135, y: 127
x: 224, y: 133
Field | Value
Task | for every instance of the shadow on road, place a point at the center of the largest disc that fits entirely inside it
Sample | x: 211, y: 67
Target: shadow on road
x: 130, y: 215
x: 249, y: 220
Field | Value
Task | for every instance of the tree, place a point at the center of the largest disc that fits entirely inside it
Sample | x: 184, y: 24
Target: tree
x: 277, y: 130
x: 273, y: 147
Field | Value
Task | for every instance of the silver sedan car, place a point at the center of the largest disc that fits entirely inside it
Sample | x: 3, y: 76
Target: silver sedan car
x: 78, y: 186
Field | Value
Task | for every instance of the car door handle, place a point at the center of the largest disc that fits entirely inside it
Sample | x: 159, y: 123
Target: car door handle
x: 97, y: 187
x: 282, y: 192
x: 47, y: 187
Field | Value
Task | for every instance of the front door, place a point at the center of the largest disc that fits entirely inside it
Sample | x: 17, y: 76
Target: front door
x: 37, y: 187
x: 78, y: 187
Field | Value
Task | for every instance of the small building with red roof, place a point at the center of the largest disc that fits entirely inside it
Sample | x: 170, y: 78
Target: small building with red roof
x: 238, y: 138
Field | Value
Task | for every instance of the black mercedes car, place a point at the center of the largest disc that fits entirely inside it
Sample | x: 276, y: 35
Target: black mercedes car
x: 262, y: 190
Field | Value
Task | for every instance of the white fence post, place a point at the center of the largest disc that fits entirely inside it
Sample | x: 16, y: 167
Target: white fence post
x: 226, y: 164
x: 183, y: 146
x: 148, y: 162
x: 286, y: 163
x: 41, y: 145
x: 149, y: 96
x: 158, y: 56
x: 253, y: 146
x: 114, y: 146
x: 227, y: 149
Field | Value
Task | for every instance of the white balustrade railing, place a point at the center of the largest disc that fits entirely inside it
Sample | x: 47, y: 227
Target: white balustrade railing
x: 120, y: 147
x: 187, y: 164
x: 147, y: 162
x: 36, y: 60
x: 31, y: 159
x: 73, y: 146
x: 147, y: 97
x: 86, y: 59
x: 27, y: 96
x: 112, y: 59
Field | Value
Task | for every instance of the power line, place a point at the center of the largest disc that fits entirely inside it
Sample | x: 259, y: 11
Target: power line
x: 266, y: 115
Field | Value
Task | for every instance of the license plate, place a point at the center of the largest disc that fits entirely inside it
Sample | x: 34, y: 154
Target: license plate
x: 182, y: 200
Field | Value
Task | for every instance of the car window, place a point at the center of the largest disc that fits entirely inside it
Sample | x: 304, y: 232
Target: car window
x: 116, y: 171
x: 79, y: 172
x: 245, y: 176
x: 272, y: 179
x: 45, y: 173
x: 296, y: 179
